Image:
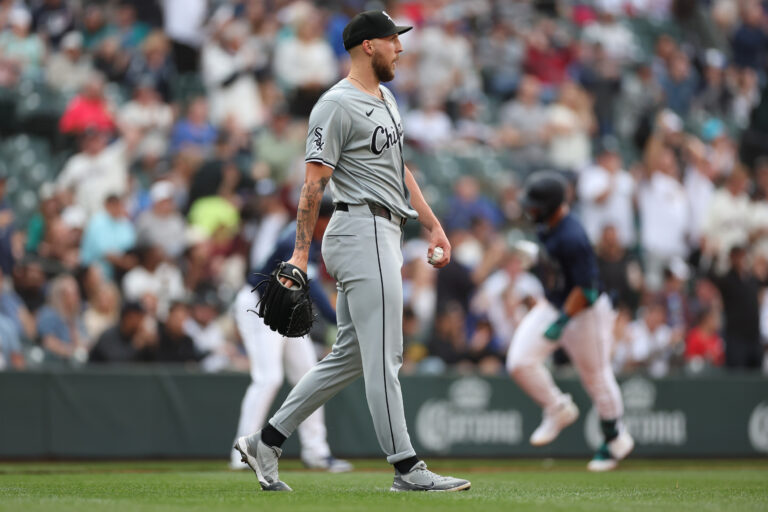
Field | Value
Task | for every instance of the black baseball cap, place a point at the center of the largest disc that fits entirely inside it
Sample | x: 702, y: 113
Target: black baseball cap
x: 370, y: 25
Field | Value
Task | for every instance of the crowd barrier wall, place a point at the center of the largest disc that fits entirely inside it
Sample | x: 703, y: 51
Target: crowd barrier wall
x: 161, y: 412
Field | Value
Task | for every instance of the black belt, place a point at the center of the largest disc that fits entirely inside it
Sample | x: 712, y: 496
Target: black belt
x: 376, y: 209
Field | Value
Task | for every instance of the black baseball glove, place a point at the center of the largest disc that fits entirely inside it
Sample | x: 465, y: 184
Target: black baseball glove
x: 286, y: 310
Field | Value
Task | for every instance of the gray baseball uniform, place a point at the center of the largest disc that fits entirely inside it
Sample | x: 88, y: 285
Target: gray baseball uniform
x: 359, y: 136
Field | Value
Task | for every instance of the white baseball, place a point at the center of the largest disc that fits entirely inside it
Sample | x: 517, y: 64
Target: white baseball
x: 437, y: 255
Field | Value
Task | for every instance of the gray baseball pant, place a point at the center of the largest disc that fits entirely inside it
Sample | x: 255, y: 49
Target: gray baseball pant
x: 363, y: 253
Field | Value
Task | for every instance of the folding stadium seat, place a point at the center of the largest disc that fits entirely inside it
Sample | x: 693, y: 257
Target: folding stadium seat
x: 25, y: 159
x: 36, y: 175
x: 116, y: 94
x: 20, y: 143
x: 39, y: 112
x: 186, y: 86
x: 7, y: 111
x: 25, y: 204
x: 11, y: 188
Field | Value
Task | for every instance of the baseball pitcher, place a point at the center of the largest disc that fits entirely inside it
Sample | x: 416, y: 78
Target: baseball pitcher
x: 355, y: 143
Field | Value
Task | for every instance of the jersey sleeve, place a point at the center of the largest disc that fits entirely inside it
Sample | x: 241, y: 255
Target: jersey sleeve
x: 329, y: 125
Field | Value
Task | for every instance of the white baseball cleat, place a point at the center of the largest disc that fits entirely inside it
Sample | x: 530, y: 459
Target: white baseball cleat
x: 262, y: 459
x: 419, y: 478
x: 554, y: 420
x: 622, y: 445
x: 329, y: 463
x: 609, y: 454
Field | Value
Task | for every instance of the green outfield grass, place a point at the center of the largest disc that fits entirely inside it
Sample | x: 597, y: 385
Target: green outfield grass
x: 508, y: 485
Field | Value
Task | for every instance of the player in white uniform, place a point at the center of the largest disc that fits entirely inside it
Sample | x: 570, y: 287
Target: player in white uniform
x: 574, y: 315
x: 274, y: 357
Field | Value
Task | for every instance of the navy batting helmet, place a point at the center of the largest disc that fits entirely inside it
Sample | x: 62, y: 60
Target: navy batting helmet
x: 544, y: 193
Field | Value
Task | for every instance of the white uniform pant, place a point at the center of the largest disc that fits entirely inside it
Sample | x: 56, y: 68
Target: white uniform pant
x: 587, y: 338
x: 272, y: 357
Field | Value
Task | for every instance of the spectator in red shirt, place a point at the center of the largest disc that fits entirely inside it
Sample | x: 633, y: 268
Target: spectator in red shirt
x: 88, y: 110
x: 547, y: 54
x: 703, y: 343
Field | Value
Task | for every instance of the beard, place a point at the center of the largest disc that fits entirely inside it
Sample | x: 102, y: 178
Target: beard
x: 382, y: 69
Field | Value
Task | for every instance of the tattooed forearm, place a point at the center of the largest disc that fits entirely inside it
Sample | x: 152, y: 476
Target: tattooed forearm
x: 309, y: 206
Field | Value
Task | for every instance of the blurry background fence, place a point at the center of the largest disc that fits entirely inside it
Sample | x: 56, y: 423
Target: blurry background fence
x: 174, y: 413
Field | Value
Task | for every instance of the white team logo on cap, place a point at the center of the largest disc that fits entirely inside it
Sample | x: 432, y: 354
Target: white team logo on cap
x: 388, y: 16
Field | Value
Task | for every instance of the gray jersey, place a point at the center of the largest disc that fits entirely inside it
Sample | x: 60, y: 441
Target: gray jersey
x: 360, y: 137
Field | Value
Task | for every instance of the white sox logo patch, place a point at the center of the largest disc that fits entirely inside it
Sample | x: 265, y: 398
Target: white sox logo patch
x: 319, y: 144
x: 388, y: 16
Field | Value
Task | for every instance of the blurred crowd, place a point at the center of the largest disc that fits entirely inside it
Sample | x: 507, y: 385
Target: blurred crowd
x: 182, y: 141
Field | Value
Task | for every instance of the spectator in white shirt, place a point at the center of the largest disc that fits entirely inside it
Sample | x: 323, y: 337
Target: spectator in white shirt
x: 614, y: 37
x: 446, y: 63
x: 648, y: 343
x: 183, y: 23
x: 699, y: 187
x: 728, y: 220
x: 22, y: 52
x: 664, y: 221
x: 146, y: 112
x: 509, y: 293
x: 305, y: 64
x: 156, y: 283
x: 759, y: 221
x: 207, y: 334
x: 98, y: 171
x: 228, y: 67
x: 571, y: 123
x: 69, y: 70
x: 606, y: 193
x: 429, y: 127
